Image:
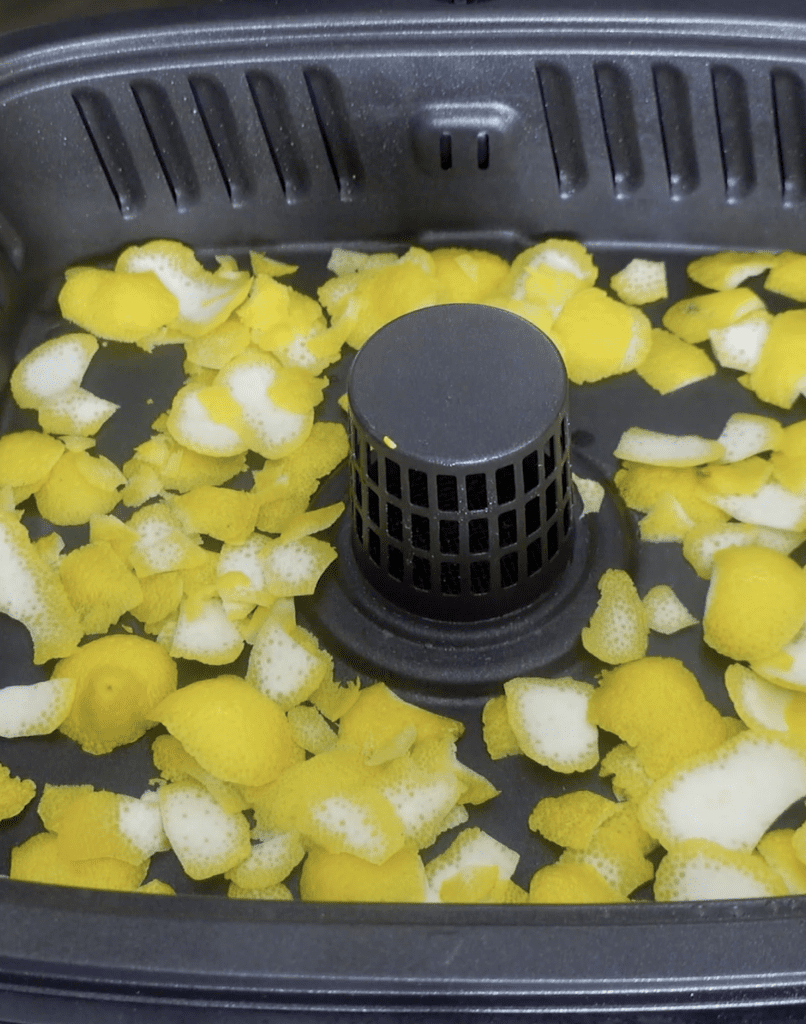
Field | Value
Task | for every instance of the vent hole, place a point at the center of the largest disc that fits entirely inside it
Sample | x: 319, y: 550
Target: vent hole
x: 567, y: 518
x: 418, y: 488
x: 531, y: 472
x: 420, y: 533
x: 359, y: 491
x: 551, y: 500
x: 359, y: 526
x: 449, y: 580
x: 507, y: 528
x: 509, y: 569
x: 534, y: 558
x: 483, y: 147
x: 447, y: 493
x: 373, y: 507
x: 372, y: 464
x: 393, y: 479
x: 566, y: 479
x: 552, y: 541
x: 394, y: 521
x: 549, y: 461
x: 532, y: 515
x: 505, y: 484
x: 421, y: 573
x: 480, y: 577
x: 356, y: 445
x: 374, y: 547
x: 396, y: 564
x: 445, y: 151
x: 476, y: 488
x: 449, y: 537
x: 478, y: 533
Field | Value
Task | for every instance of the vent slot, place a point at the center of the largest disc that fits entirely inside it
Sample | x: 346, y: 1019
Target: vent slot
x: 562, y: 122
x: 111, y: 149
x: 736, y: 143
x: 677, y: 130
x: 789, y: 104
x: 168, y: 141
x: 284, y: 145
x: 337, y: 135
x: 222, y: 132
x: 621, y: 134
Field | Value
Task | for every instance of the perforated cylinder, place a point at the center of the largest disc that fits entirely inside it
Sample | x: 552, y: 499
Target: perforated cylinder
x: 460, y: 479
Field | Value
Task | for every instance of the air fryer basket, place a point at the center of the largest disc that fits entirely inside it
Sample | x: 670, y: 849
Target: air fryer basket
x: 662, y: 130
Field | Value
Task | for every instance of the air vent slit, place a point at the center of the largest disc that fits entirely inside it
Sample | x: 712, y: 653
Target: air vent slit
x: 677, y: 130
x: 222, y: 133
x: 282, y: 140
x: 789, y: 108
x: 562, y: 123
x: 620, y: 131
x: 735, y: 134
x: 168, y: 141
x: 112, y: 151
x: 334, y: 126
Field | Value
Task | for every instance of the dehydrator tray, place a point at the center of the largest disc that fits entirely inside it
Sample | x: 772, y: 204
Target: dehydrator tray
x: 641, y: 129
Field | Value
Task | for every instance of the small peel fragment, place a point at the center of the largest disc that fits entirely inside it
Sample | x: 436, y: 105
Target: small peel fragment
x: 665, y: 612
x: 701, y: 870
x: 36, y: 709
x: 549, y: 718
x: 657, y: 449
x: 15, y: 793
x: 207, y: 840
x: 618, y: 630
x: 472, y: 849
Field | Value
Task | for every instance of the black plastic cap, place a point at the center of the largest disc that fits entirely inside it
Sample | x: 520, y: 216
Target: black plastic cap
x: 460, y: 478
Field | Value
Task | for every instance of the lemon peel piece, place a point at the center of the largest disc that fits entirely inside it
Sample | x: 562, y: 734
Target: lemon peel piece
x: 379, y: 715
x: 618, y: 630
x: 771, y: 505
x: 344, y: 878
x: 598, y: 337
x: 203, y: 632
x: 26, y: 459
x: 550, y: 273
x: 421, y: 797
x: 700, y: 870
x: 75, y: 411
x: 55, y: 366
x: 233, y: 731
x: 667, y: 450
x: 666, y: 522
x: 207, y: 840
x: 270, y: 860
x: 286, y: 665
x: 779, y: 376
x: 119, y: 679
x: 550, y: 721
x: 630, y: 780
x: 471, y: 849
x: 642, y: 487
x: 786, y: 276
x: 78, y: 487
x: 665, y: 612
x: 704, y: 540
x: 591, y: 492
x: 641, y: 282
x: 206, y: 419
x: 175, y: 764
x: 739, y: 345
x: 756, y: 602
x: 119, y: 306
x: 15, y: 793
x: 764, y: 705
x: 724, y: 270
x: 99, y: 584
x: 672, y: 364
x: 335, y: 699
x: 786, y: 667
x: 35, y: 709
x: 617, y: 850
x: 310, y: 729
x: 746, y: 434
x: 729, y: 795
x: 657, y: 706
x: 161, y: 544
x: 571, y: 883
x: 777, y: 848
x: 100, y: 824
x: 571, y: 819
x: 204, y: 300
x: 32, y: 593
x: 293, y: 568
x: 499, y: 739
x: 221, y: 512
x: 693, y: 319
x: 38, y: 860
